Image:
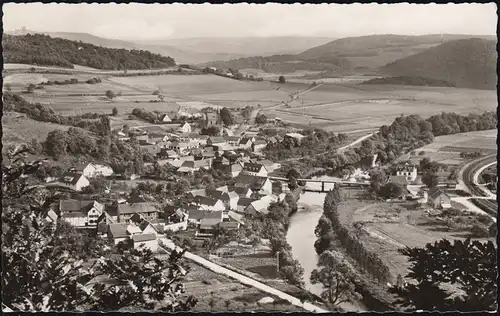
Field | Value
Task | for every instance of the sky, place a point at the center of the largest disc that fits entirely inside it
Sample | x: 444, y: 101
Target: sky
x: 160, y: 21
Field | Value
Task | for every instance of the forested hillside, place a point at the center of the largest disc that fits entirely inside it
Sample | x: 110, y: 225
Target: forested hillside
x: 409, y: 81
x: 467, y: 63
x: 44, y: 50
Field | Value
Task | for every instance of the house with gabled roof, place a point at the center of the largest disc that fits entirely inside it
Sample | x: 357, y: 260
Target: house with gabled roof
x: 438, y: 199
x: 243, y: 203
x: 259, y: 145
x: 233, y: 169
x: 230, y: 199
x: 208, y: 203
x: 185, y: 128
x: 74, y: 181
x: 257, y: 184
x: 148, y: 210
x: 270, y: 165
x: 244, y: 192
x: 90, y: 170
x: 80, y: 214
x: 409, y: 171
x: 118, y: 232
x: 145, y: 241
x: 245, y: 143
x: 195, y: 215
x: 216, y: 141
x: 254, y: 169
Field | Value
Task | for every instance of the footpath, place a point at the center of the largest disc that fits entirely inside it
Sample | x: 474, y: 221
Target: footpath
x: 244, y: 279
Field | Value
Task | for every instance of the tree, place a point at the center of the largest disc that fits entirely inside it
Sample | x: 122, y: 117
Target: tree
x: 391, y: 190
x: 227, y: 117
x: 56, y: 143
x: 470, y: 267
x: 110, y: 94
x: 260, y: 119
x: 7, y: 87
x: 430, y: 179
x: 337, y: 278
x: 42, y: 272
x: 30, y: 88
x: 114, y: 112
x: 281, y: 79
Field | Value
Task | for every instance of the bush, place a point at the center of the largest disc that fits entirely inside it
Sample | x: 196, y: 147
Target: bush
x: 479, y: 231
x: 422, y: 153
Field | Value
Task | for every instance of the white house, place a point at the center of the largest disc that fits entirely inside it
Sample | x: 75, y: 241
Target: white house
x: 259, y: 145
x: 408, y: 171
x: 208, y: 203
x: 74, y: 181
x: 230, y: 199
x: 80, y: 214
x: 145, y: 241
x: 254, y: 169
x: 91, y: 170
x: 185, y: 128
x: 261, y: 185
x: 245, y: 143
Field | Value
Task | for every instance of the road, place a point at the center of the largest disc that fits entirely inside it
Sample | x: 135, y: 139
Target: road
x: 468, y: 176
x: 245, y: 280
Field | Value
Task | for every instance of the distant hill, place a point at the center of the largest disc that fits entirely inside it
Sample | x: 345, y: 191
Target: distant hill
x: 374, y: 51
x: 245, y: 46
x: 409, y: 81
x: 468, y: 63
x: 43, y: 50
x: 362, y: 54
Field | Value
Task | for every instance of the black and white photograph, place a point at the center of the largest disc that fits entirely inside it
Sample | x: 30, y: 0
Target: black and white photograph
x: 236, y: 157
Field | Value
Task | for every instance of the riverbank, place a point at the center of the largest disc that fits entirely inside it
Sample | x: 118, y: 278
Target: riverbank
x: 301, y: 238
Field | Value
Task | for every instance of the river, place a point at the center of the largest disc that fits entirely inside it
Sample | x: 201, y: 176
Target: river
x: 301, y: 238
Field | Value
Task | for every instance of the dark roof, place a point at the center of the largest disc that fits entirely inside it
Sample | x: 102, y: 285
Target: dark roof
x: 255, y: 167
x: 260, y: 142
x: 204, y: 200
x: 136, y: 208
x: 405, y: 167
x: 71, y: 177
x: 199, y: 214
x: 244, y: 201
x: 245, y: 140
x: 118, y: 230
x: 217, y: 140
x: 209, y: 222
x: 102, y: 228
x: 71, y: 206
x: 245, y: 180
x: 435, y: 192
x: 241, y: 190
x: 143, y: 237
x: 398, y: 179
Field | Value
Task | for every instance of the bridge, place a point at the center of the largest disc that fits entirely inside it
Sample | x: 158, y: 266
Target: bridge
x: 323, y: 181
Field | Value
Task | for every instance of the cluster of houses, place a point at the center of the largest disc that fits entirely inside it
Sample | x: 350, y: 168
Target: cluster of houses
x: 407, y: 176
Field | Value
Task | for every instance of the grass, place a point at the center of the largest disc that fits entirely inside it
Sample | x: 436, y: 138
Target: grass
x: 17, y: 128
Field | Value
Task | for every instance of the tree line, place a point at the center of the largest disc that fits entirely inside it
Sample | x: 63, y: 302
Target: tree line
x: 44, y: 50
x: 330, y: 229
x: 97, y: 123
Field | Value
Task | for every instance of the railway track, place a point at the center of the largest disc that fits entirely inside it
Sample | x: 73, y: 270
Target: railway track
x: 468, y: 178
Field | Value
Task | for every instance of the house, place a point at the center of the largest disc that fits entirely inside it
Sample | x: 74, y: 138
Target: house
x: 142, y: 139
x: 423, y: 196
x: 245, y: 143
x: 153, y: 150
x: 243, y: 203
x: 185, y: 128
x: 227, y: 132
x: 270, y: 165
x: 233, y: 169
x: 91, y: 170
x: 230, y: 199
x: 191, y: 166
x: 254, y: 169
x: 145, y: 241
x: 195, y: 216
x: 165, y: 118
x: 258, y: 184
x: 401, y: 180
x: 118, y: 233
x: 407, y: 170
x: 295, y: 136
x: 243, y: 191
x: 178, y: 163
x: 259, y: 145
x: 208, y: 203
x: 232, y: 140
x: 207, y: 226
x: 258, y: 206
x: 438, y: 199
x: 126, y: 211
x: 214, y: 141
x: 73, y: 181
x: 80, y: 214
x: 168, y: 154
x: 223, y: 189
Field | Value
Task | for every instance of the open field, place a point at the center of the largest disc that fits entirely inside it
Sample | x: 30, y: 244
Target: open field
x: 365, y: 107
x: 17, y: 128
x: 446, y: 149
x: 386, y: 227
x: 213, y: 291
